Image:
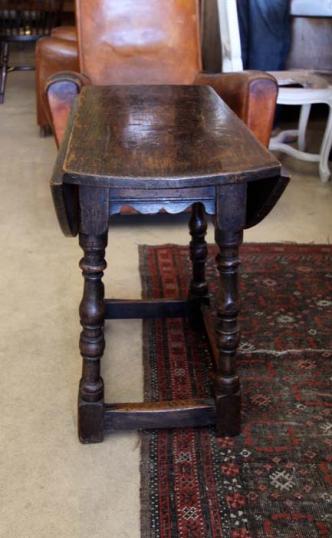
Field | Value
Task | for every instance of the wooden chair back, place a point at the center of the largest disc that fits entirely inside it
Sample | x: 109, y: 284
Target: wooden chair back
x: 28, y: 20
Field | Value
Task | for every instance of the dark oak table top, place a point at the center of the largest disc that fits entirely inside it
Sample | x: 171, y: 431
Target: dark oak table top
x: 160, y: 137
x: 158, y: 148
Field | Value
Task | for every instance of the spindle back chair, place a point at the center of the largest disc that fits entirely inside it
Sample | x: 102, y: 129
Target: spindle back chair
x: 24, y: 21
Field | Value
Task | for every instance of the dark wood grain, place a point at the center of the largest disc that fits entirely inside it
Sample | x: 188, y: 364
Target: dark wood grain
x: 262, y: 196
x: 229, y: 224
x: 171, y: 148
x: 92, y: 342
x: 151, y: 201
x: 198, y: 289
x: 209, y: 327
x: 165, y: 136
x: 65, y: 196
x: 198, y: 251
x: 170, y: 414
x: 145, y: 309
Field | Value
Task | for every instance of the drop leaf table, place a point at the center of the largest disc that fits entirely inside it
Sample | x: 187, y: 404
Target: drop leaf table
x: 153, y: 148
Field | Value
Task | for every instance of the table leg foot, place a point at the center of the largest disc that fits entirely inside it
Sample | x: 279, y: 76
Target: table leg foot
x: 228, y: 412
x: 90, y: 421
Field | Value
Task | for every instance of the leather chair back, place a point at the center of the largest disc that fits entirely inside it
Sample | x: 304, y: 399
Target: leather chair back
x: 138, y: 41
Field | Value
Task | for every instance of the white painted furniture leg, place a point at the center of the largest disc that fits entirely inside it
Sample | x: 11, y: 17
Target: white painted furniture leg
x: 303, y: 124
x: 321, y: 92
x: 230, y: 36
x: 324, y: 169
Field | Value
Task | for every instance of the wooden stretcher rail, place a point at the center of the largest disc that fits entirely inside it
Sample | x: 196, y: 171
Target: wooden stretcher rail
x: 163, y: 414
x: 145, y: 309
x: 209, y: 326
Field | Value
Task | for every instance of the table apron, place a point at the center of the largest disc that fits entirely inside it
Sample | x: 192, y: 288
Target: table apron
x: 152, y: 201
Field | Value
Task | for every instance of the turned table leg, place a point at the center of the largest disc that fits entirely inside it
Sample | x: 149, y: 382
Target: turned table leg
x: 92, y: 343
x: 231, y: 206
x: 198, y: 290
x: 227, y: 385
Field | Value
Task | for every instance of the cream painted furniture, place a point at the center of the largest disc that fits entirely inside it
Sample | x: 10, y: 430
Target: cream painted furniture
x: 229, y: 36
x: 296, y: 87
x: 312, y: 89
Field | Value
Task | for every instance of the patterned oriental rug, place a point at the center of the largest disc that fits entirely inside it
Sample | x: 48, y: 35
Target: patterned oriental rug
x: 275, y: 479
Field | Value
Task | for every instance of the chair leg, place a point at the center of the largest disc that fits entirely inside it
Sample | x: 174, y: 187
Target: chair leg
x: 4, y: 69
x: 45, y: 130
x: 303, y: 124
x: 324, y: 169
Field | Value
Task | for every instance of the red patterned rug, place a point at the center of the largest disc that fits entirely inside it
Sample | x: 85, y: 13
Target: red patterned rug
x: 275, y: 479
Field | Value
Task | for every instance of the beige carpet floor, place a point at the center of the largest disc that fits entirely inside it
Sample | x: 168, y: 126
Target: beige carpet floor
x: 50, y: 485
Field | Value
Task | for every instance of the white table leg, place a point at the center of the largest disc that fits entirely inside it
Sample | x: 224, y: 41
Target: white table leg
x: 324, y: 169
x: 303, y: 124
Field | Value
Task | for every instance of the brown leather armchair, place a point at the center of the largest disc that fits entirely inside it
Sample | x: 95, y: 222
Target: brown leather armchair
x: 139, y: 42
x: 58, y: 52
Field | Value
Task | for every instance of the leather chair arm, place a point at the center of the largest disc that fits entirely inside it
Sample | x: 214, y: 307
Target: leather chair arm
x: 65, y: 32
x: 252, y: 95
x: 52, y: 55
x: 60, y: 91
